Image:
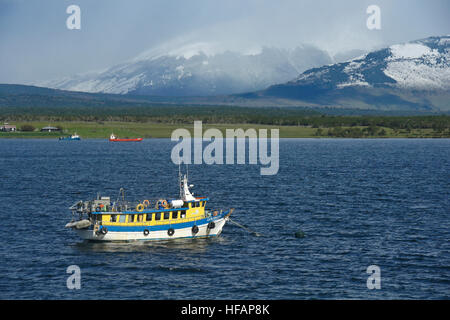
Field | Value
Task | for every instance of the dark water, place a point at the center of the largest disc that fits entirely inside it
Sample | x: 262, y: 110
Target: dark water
x: 359, y: 202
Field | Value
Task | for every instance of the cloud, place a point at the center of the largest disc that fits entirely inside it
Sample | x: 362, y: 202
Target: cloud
x: 36, y: 45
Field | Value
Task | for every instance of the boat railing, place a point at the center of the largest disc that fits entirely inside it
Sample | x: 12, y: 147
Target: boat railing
x: 152, y: 222
x: 132, y: 205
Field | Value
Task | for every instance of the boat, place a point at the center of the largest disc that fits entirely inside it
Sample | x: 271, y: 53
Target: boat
x: 116, y: 139
x: 74, y: 136
x: 102, y: 219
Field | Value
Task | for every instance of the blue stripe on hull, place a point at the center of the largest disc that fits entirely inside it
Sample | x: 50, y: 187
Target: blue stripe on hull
x: 174, y: 226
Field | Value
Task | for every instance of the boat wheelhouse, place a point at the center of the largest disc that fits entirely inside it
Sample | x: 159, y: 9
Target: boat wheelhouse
x: 161, y: 219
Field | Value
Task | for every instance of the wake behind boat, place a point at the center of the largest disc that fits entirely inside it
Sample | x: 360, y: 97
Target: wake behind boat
x: 113, y: 138
x: 104, y: 220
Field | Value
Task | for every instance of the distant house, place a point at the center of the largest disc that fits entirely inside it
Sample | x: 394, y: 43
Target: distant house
x: 50, y: 129
x: 8, y: 128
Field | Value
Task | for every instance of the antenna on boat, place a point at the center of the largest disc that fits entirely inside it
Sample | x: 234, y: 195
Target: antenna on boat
x: 179, y: 180
x: 121, y: 191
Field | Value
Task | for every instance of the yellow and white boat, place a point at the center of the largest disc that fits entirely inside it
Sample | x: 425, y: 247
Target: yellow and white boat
x: 104, y: 220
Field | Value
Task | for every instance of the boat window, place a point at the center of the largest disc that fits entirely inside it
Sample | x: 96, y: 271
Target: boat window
x: 166, y: 215
x: 113, y: 218
x: 140, y: 218
x: 122, y: 218
x: 131, y: 218
x: 175, y: 215
x: 183, y: 214
x: 158, y: 216
x: 149, y: 217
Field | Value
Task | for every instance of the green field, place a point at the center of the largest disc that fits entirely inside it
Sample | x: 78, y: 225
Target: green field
x: 102, y: 130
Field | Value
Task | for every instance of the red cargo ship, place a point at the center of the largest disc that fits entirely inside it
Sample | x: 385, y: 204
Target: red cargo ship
x: 115, y: 139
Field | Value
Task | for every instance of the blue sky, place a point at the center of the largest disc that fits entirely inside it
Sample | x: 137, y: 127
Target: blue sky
x: 36, y: 45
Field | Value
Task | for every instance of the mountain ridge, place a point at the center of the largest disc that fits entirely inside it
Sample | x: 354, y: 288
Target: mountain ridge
x: 415, y: 74
x: 410, y: 77
x: 199, y: 69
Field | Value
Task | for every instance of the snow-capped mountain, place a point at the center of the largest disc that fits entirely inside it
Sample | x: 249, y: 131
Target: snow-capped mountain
x: 198, y: 69
x: 414, y: 74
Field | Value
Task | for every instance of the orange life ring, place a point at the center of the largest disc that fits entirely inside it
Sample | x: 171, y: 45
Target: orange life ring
x: 163, y: 203
x: 146, y: 203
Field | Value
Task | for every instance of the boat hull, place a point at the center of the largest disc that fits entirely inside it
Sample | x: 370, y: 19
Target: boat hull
x: 126, y: 140
x: 69, y: 139
x: 156, y: 233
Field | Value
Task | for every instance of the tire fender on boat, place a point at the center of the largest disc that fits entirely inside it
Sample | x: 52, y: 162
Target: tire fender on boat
x: 146, y: 232
x: 104, y: 230
x: 194, y: 229
x: 211, y: 225
x: 170, y: 232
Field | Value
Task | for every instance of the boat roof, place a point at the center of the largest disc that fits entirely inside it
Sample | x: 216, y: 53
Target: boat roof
x: 198, y: 199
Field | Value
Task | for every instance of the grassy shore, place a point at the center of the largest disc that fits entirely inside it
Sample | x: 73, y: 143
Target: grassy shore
x: 102, y: 130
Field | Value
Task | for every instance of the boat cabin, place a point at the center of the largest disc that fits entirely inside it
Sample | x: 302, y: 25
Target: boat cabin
x: 108, y: 214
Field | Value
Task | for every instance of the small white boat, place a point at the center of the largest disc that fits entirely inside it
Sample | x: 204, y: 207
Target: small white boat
x: 74, y: 136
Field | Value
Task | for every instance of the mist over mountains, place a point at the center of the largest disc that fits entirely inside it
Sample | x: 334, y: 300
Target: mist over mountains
x: 412, y: 77
x: 198, y: 69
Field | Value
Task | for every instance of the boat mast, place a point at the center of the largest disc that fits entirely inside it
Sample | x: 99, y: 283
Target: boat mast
x: 185, y: 193
x: 180, y: 185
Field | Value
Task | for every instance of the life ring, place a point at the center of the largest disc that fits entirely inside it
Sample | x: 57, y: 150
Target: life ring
x: 140, y: 207
x: 146, y: 232
x: 215, y: 213
x: 211, y: 225
x: 194, y: 229
x: 170, y: 232
x: 146, y: 203
x: 163, y: 203
x: 104, y: 230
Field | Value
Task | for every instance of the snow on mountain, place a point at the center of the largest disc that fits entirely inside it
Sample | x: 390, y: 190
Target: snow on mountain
x: 424, y: 65
x: 409, y: 75
x: 198, y: 69
x: 418, y: 65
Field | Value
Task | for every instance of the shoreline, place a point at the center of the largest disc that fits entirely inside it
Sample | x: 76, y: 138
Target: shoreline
x: 151, y: 130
